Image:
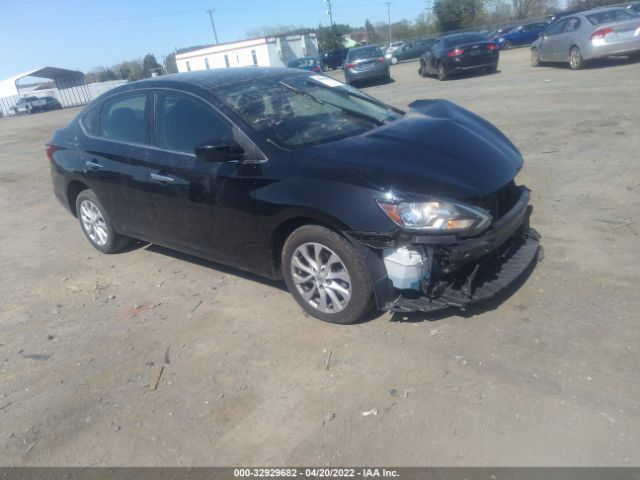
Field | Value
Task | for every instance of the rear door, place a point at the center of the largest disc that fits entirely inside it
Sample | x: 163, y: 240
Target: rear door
x: 113, y: 153
x: 202, y: 206
x: 564, y: 40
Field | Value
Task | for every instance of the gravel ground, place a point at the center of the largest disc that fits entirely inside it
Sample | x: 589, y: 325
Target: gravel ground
x: 150, y: 357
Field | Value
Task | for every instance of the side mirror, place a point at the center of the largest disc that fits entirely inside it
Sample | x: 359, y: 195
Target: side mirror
x: 225, y: 152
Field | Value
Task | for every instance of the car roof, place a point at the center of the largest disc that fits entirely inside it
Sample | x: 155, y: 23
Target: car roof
x: 213, y: 78
x: 355, y: 49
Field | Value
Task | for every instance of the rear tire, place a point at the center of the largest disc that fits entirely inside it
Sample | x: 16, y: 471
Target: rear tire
x: 492, y: 69
x: 507, y: 45
x: 394, y: 60
x: 96, y: 224
x: 340, y: 291
x: 576, y: 62
x: 442, y: 73
x: 535, y: 57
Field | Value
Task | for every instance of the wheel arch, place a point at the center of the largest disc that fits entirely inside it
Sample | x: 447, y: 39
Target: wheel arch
x: 288, y: 224
x: 73, y: 190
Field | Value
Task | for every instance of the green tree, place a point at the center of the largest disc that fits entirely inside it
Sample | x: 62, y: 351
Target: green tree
x: 170, y: 64
x: 330, y: 38
x: 456, y: 14
x: 150, y: 65
x: 370, y: 30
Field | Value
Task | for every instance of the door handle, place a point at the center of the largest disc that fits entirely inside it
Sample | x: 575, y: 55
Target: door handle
x: 161, y: 178
x: 93, y: 164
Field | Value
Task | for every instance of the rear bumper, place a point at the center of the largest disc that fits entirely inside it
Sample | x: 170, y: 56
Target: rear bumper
x: 379, y: 72
x: 454, y: 66
x: 607, y: 49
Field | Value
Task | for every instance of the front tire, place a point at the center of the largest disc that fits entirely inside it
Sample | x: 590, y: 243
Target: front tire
x: 535, y: 57
x: 326, y: 275
x: 422, y: 71
x: 576, y: 62
x: 96, y: 224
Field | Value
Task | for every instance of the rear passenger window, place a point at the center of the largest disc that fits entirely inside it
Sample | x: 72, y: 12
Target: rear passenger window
x: 184, y: 123
x: 123, y: 119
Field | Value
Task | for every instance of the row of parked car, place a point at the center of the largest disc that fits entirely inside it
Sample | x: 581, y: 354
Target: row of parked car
x: 27, y: 105
x: 572, y: 37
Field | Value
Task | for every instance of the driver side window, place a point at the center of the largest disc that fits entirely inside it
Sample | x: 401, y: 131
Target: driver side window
x: 184, y: 123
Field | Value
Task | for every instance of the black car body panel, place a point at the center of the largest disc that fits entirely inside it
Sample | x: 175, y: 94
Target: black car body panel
x: 333, y: 59
x: 240, y: 212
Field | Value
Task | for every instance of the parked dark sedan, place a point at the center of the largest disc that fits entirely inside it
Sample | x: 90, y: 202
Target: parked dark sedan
x: 332, y: 59
x: 305, y: 63
x: 459, y: 52
x: 410, y: 49
x: 366, y: 63
x: 294, y: 175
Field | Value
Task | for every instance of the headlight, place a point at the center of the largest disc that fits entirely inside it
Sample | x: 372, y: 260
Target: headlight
x: 437, y: 216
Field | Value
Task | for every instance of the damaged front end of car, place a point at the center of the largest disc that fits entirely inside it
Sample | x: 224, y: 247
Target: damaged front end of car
x: 481, y: 251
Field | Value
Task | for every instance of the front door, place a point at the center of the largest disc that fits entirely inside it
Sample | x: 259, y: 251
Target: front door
x: 548, y: 44
x: 203, y: 206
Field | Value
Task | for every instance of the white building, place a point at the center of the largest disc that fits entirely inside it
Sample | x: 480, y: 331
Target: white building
x: 275, y: 51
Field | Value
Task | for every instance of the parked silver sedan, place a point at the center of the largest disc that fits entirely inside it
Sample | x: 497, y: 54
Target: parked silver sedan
x: 588, y: 35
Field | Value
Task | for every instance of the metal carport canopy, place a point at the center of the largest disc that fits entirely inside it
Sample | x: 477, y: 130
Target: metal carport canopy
x: 63, y: 78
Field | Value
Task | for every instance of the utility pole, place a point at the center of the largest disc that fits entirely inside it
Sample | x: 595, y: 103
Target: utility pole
x: 213, y: 25
x: 389, y: 18
x: 329, y: 12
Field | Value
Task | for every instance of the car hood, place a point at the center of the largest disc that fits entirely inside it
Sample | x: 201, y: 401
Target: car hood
x: 437, y: 148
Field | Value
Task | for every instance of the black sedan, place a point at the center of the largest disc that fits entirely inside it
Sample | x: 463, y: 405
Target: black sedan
x: 293, y: 175
x: 458, y: 53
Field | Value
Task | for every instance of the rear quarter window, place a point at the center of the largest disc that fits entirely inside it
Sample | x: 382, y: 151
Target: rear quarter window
x: 89, y: 120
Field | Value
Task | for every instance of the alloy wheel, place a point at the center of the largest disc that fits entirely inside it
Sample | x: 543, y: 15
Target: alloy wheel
x: 93, y: 223
x: 321, y: 278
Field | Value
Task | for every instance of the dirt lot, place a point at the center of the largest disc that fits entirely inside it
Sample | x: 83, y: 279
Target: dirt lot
x: 547, y: 377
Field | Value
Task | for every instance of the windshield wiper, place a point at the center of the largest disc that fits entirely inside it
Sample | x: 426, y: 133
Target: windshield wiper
x: 359, y: 95
x: 348, y: 111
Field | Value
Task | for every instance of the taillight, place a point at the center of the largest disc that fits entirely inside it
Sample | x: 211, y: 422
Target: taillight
x: 455, y: 53
x: 381, y: 60
x: 492, y: 46
x: 350, y: 65
x: 50, y: 148
x: 315, y: 68
x: 601, y: 33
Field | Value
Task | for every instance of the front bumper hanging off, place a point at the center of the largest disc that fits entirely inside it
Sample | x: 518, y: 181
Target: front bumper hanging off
x: 469, y: 270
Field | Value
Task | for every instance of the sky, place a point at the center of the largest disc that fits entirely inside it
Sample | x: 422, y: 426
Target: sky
x: 86, y: 34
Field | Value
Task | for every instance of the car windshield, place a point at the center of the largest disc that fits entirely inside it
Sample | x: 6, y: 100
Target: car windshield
x: 609, y: 16
x: 367, y: 52
x: 303, y: 110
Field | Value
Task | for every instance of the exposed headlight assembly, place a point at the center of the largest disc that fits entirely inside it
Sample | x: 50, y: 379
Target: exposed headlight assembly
x: 437, y: 216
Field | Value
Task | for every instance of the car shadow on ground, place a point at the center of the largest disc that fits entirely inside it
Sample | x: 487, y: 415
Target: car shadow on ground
x: 210, y: 264
x: 374, y: 314
x: 465, y: 75
x: 596, y: 64
x: 372, y: 83
x: 471, y: 311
